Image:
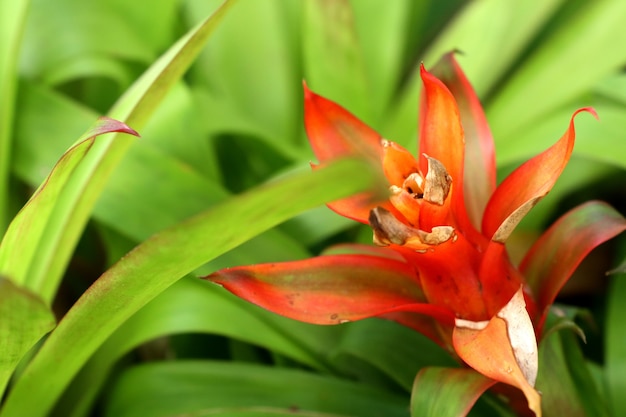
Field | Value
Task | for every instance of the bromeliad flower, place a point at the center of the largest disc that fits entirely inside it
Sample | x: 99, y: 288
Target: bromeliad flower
x: 441, y: 265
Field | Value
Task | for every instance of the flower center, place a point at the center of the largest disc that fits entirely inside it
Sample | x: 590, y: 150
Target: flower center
x: 419, y: 221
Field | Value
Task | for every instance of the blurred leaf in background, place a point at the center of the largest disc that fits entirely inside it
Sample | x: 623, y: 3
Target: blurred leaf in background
x: 234, y: 121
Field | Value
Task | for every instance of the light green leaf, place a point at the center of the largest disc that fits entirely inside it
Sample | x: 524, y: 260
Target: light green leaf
x: 578, y: 52
x: 598, y: 140
x: 381, y: 29
x: 254, y: 71
x: 485, y: 29
x: 82, y: 188
x: 24, y: 320
x: 28, y: 235
x: 65, y: 31
x: 182, y: 387
x: 333, y: 61
x: 12, y: 16
x: 159, y: 262
x: 447, y: 392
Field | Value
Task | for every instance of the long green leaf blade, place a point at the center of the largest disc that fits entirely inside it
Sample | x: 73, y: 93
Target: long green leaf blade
x: 195, y: 306
x: 191, y: 387
x: 447, y: 392
x: 26, y: 235
x: 12, y: 16
x: 615, y: 348
x: 84, y: 187
x: 159, y: 262
x: 24, y: 320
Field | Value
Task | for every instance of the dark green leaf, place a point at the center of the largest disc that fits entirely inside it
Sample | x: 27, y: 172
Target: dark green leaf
x: 615, y: 350
x: 172, y: 389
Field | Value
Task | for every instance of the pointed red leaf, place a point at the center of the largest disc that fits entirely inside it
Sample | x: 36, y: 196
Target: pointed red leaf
x: 480, y: 163
x: 447, y: 392
x: 358, y: 206
x: 448, y: 276
x: 398, y: 163
x: 504, y: 349
x: 108, y: 125
x: 530, y: 182
x: 327, y: 289
x: 441, y: 137
x: 334, y: 132
x: 499, y: 279
x: 362, y: 249
x: 438, y: 330
x: 554, y: 257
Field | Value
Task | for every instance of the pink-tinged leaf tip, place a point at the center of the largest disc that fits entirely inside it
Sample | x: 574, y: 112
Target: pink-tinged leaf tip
x: 108, y: 125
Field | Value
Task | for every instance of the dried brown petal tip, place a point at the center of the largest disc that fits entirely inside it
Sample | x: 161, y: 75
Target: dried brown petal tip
x: 437, y: 236
x: 437, y: 182
x: 389, y: 230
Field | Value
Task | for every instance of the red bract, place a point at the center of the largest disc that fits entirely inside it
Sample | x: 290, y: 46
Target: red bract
x: 442, y: 267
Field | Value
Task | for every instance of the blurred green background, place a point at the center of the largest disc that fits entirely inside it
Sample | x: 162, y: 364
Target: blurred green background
x: 235, y: 121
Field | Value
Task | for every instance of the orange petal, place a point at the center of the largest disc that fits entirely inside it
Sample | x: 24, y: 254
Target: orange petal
x: 333, y: 131
x: 442, y: 138
x: 328, y: 289
x: 405, y: 204
x: 441, y: 134
x: 504, y: 349
x: 398, y: 163
x: 556, y: 255
x: 480, y: 161
x: 521, y: 190
x: 448, y: 275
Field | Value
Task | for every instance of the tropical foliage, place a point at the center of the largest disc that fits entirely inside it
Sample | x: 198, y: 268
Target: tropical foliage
x: 220, y: 177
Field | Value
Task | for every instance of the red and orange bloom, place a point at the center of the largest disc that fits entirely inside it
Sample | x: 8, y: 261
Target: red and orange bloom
x: 440, y: 265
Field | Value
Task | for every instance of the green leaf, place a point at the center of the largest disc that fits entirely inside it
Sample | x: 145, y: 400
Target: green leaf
x: 182, y: 387
x: 25, y: 319
x: 553, y: 72
x: 83, y: 187
x: 615, y: 348
x: 66, y: 32
x: 195, y: 306
x: 28, y: 235
x: 370, y: 340
x: 261, y: 81
x: 333, y: 62
x: 12, y: 16
x: 485, y: 29
x: 381, y: 29
x: 447, y: 392
x: 564, y: 379
x: 600, y: 141
x: 159, y: 262
x: 553, y: 258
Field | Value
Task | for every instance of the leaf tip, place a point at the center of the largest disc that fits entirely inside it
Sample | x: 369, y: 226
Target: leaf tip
x: 308, y: 94
x: 109, y: 125
x: 589, y: 109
